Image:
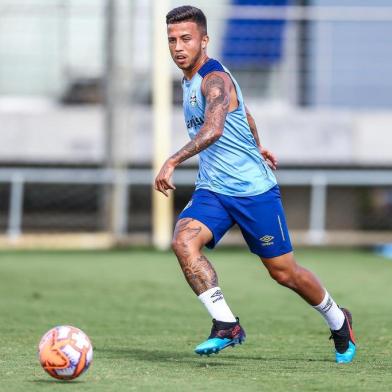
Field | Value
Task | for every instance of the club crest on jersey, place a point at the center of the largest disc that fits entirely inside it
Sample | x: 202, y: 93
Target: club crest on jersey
x: 193, y: 100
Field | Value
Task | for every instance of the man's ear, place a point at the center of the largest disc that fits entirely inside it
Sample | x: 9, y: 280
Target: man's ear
x: 204, y: 41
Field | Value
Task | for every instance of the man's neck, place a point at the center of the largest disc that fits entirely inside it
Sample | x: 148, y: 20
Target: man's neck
x: 189, y: 74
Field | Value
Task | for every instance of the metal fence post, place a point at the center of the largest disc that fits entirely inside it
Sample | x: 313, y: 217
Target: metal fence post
x: 120, y: 204
x: 318, y: 209
x: 16, y: 207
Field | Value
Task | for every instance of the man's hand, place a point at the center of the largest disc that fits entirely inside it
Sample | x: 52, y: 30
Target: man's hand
x: 163, y: 181
x: 269, y: 157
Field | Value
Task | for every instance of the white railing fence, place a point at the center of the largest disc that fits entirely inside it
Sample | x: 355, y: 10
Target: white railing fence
x: 318, y: 181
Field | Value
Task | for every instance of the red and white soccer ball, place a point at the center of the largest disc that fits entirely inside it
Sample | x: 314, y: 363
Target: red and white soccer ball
x: 65, y: 352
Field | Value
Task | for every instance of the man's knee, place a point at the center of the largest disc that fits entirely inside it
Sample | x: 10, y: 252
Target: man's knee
x: 283, y: 269
x: 181, y: 246
x: 177, y: 245
x: 286, y: 274
x: 189, y: 236
x: 283, y: 277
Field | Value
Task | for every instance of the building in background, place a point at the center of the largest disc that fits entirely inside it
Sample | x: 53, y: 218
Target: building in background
x: 318, y: 84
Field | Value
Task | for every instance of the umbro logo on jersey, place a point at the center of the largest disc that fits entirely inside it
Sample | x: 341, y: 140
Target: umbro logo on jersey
x: 216, y: 296
x: 267, y: 240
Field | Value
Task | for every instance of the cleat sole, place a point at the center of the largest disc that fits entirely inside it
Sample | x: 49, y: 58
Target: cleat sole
x: 216, y: 350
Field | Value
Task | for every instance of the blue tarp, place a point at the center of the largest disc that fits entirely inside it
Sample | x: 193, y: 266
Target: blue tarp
x: 253, y: 44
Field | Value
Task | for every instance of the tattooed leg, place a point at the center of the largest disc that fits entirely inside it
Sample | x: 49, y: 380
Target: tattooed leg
x: 199, y: 273
x: 190, y: 236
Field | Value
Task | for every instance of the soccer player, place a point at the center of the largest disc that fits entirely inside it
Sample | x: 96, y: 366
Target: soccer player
x: 235, y: 184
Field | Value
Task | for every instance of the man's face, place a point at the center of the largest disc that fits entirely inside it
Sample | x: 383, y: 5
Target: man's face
x: 186, y: 43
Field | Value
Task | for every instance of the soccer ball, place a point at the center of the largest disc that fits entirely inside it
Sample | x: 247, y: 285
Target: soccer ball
x: 65, y: 352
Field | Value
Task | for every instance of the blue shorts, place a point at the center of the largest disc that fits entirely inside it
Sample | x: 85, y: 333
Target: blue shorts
x: 261, y: 219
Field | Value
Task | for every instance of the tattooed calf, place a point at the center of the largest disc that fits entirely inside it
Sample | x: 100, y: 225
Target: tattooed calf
x: 200, y: 274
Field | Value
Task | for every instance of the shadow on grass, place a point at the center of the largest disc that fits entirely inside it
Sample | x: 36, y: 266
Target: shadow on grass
x: 63, y: 382
x: 224, y: 359
x: 280, y: 359
x: 160, y: 356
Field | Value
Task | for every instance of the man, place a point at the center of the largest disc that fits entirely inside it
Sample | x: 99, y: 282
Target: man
x: 234, y: 185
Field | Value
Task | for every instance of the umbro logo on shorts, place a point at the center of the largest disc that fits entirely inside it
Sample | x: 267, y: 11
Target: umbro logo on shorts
x: 267, y: 240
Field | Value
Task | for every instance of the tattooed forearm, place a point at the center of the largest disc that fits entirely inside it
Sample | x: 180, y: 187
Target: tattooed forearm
x: 200, y: 274
x: 217, y: 93
x: 252, y: 126
x: 203, y: 139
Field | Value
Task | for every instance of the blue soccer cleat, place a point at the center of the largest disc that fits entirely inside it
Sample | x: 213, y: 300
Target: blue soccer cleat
x: 223, y: 334
x: 344, y: 340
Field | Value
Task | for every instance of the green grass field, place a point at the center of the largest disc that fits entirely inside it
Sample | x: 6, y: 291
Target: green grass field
x: 144, y: 322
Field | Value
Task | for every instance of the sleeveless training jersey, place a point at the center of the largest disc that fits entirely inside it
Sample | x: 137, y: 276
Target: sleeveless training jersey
x: 232, y: 165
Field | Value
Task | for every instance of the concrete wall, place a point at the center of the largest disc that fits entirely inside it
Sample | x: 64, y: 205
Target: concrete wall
x: 53, y: 133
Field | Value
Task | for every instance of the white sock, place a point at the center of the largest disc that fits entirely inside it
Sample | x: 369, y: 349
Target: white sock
x: 216, y: 305
x: 331, y: 312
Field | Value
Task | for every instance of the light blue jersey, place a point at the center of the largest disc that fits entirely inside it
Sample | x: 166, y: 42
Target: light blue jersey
x: 232, y: 165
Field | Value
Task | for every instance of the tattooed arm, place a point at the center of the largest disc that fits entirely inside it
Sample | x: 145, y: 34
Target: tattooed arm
x: 216, y: 88
x: 268, y: 155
